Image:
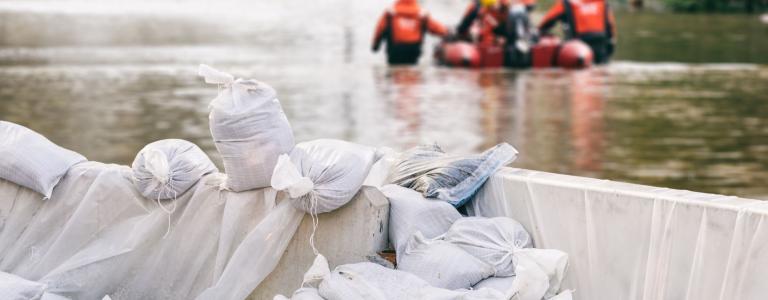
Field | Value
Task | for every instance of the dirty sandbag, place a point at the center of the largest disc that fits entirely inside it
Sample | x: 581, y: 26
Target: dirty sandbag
x: 249, y: 128
x: 454, y: 179
x: 409, y: 212
x: 371, y: 281
x: 15, y: 287
x: 165, y: 169
x: 322, y: 175
x: 442, y: 264
x: 31, y: 160
x: 531, y: 282
x: 492, y: 240
x: 504, y: 285
x: 551, y: 262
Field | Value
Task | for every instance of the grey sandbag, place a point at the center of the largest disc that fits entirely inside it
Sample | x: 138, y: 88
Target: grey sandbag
x: 165, y: 169
x: 492, y: 240
x: 410, y: 212
x: 249, y: 128
x: 442, y: 264
x: 454, y: 179
x: 32, y: 161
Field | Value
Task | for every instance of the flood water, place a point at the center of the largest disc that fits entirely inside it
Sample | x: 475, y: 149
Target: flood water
x: 684, y: 105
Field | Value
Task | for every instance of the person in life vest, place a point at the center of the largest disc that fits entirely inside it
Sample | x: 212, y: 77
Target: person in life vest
x: 403, y: 27
x: 489, y: 16
x: 588, y: 20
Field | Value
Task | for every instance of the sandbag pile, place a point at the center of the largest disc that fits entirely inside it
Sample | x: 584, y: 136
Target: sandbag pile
x: 249, y: 128
x: 453, y: 179
x: 32, y: 161
x: 166, y: 169
x: 469, y: 252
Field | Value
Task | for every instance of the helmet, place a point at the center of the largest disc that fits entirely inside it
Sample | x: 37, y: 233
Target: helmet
x: 487, y: 3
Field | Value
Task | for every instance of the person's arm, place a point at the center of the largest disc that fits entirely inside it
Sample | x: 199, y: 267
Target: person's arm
x: 469, y: 16
x: 436, y: 28
x: 555, y: 13
x: 378, y: 36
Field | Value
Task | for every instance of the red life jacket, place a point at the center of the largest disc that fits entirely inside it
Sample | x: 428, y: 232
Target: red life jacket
x: 405, y: 28
x: 586, y: 16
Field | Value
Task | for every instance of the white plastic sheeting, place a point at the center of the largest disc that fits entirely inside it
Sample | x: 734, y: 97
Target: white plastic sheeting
x: 13, y: 287
x: 98, y: 236
x: 31, y: 160
x: 637, y: 242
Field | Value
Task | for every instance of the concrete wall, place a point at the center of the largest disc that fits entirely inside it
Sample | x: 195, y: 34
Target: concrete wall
x: 346, y: 235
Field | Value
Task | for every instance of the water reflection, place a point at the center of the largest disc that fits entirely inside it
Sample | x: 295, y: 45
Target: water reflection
x: 106, y: 86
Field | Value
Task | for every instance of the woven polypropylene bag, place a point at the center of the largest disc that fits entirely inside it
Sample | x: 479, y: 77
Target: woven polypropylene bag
x: 32, y: 161
x: 492, y: 240
x: 410, y: 212
x: 249, y: 128
x: 322, y: 175
x: 442, y: 264
x: 166, y: 169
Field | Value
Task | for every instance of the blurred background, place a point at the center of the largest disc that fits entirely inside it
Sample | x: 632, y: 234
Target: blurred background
x: 684, y: 104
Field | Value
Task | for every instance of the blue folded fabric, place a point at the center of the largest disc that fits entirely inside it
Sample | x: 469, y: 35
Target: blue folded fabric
x: 454, y: 179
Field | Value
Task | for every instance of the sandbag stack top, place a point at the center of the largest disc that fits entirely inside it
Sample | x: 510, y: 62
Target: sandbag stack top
x: 249, y: 128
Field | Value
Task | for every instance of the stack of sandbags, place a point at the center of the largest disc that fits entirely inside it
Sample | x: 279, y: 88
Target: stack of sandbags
x: 439, y: 246
x: 249, y: 128
x: 166, y: 169
x: 32, y: 161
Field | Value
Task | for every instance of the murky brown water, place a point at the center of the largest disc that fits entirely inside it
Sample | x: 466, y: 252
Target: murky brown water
x: 105, y: 80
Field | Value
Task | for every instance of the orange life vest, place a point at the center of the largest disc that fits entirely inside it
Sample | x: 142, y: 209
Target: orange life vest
x: 585, y: 16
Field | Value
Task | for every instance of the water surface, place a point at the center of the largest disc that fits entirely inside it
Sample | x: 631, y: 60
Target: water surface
x: 105, y: 79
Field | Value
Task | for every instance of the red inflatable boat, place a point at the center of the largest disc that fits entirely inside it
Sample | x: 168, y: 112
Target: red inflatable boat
x: 549, y: 52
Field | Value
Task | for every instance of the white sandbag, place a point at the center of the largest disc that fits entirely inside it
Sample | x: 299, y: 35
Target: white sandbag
x: 166, y: 169
x: 380, y: 170
x: 32, y: 161
x: 249, y: 128
x: 13, y: 287
x: 410, y: 212
x: 442, y: 264
x: 540, y: 273
x: 531, y: 282
x: 305, y: 293
x: 373, y: 282
x: 552, y: 262
x: 504, y: 285
x: 322, y: 175
x: 492, y: 240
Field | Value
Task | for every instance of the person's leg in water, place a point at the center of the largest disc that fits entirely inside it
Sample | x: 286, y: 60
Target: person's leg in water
x: 403, y: 54
x: 599, y: 46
